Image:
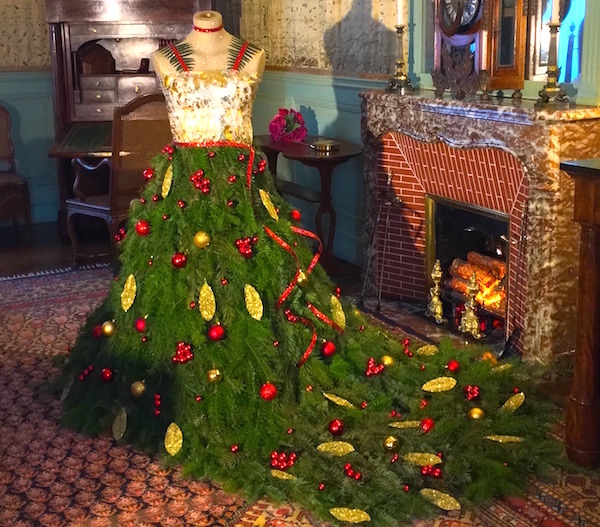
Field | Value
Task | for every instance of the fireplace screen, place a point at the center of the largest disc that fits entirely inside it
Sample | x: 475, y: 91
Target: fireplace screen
x: 471, y: 245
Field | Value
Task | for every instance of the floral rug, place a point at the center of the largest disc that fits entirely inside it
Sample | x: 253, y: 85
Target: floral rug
x: 54, y: 477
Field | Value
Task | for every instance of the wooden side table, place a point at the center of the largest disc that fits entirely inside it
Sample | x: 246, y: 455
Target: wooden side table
x: 325, y: 163
x: 583, y: 406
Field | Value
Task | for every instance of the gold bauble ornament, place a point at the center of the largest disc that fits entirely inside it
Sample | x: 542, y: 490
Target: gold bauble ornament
x: 138, y: 388
x: 108, y: 328
x: 391, y: 443
x: 302, y: 278
x: 201, y: 239
x: 214, y: 375
x: 476, y: 413
x: 387, y: 360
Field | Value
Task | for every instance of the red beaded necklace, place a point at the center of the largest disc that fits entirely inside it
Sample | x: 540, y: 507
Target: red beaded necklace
x: 208, y: 30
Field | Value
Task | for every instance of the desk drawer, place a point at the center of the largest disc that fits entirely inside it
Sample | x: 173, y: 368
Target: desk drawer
x: 131, y: 87
x: 102, y: 111
x: 97, y: 82
x: 98, y: 96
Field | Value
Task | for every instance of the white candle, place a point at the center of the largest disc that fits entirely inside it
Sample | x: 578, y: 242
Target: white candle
x: 400, y: 9
x: 555, y: 12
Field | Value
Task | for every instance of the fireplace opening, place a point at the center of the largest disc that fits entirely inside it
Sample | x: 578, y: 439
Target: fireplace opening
x: 471, y: 245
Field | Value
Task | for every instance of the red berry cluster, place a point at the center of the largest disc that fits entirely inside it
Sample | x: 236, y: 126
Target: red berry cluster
x: 428, y: 470
x: 168, y: 149
x: 200, y: 182
x: 282, y: 461
x: 290, y: 316
x: 156, y: 198
x: 395, y: 458
x: 157, y: 404
x: 86, y: 372
x: 395, y: 413
x: 351, y: 473
x: 183, y: 353
x: 427, y: 424
x: 148, y: 174
x: 241, y: 158
x: 211, y: 154
x: 262, y: 164
x: 142, y: 227
x: 372, y: 368
x: 120, y: 236
x: 244, y: 245
x: 232, y: 178
x: 471, y: 392
x: 406, y: 348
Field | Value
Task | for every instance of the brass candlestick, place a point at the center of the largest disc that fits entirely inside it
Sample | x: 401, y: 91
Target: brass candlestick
x: 552, y: 91
x: 400, y: 82
x: 435, y: 308
x: 469, y: 323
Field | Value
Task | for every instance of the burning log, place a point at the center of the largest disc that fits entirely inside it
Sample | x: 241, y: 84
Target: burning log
x: 464, y: 270
x: 495, y: 266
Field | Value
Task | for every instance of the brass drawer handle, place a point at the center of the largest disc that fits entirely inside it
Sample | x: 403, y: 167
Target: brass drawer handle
x: 98, y: 96
x: 136, y: 89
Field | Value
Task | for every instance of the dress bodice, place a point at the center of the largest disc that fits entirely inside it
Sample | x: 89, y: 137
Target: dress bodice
x: 207, y: 106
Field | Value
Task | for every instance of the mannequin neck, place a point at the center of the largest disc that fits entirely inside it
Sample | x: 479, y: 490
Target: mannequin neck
x: 208, y: 22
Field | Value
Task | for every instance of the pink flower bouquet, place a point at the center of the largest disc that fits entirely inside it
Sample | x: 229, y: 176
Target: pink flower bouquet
x: 287, y: 126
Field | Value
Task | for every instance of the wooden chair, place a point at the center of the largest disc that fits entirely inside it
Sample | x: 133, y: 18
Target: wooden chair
x: 14, y: 191
x: 140, y: 130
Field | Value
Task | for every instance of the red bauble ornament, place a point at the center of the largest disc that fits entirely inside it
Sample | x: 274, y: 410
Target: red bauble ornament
x: 427, y: 424
x: 321, y: 486
x: 140, y: 325
x: 148, y: 174
x: 295, y: 215
x: 216, y: 332
x: 453, y: 366
x: 336, y: 427
x: 268, y: 391
x: 97, y: 331
x: 234, y: 448
x: 179, y: 260
x: 106, y: 375
x: 142, y: 227
x: 328, y: 349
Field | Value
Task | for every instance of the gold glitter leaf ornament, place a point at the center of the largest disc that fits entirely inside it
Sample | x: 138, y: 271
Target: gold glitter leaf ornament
x: 166, y: 185
x: 350, y: 515
x: 338, y: 400
x: 514, y: 403
x: 336, y: 448
x: 441, y: 499
x: 427, y: 350
x: 501, y: 368
x: 119, y: 424
x: 280, y: 474
x: 441, y: 384
x: 505, y: 439
x: 406, y: 424
x: 254, y: 304
x: 337, y: 312
x: 128, y: 294
x: 265, y: 197
x: 421, y: 458
x: 173, y: 439
x: 206, y: 302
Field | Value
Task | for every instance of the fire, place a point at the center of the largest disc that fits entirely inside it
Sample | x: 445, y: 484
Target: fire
x: 493, y: 295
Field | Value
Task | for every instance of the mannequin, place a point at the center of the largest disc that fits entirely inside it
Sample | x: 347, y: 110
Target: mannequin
x: 211, y: 48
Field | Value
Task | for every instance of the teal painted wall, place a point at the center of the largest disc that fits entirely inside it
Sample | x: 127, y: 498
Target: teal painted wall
x: 28, y: 98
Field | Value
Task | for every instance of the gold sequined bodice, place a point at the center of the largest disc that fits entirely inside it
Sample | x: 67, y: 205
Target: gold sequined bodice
x: 211, y: 105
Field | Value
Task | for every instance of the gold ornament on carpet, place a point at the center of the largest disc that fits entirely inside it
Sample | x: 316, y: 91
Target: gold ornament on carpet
x: 338, y: 400
x: 505, y: 439
x: 391, y: 443
x: 421, y: 458
x: 265, y: 197
x: 440, y: 384
x: 254, y: 304
x: 201, y: 239
x: 108, y: 328
x: 405, y: 424
x: 350, y: 515
x: 173, y: 439
x: 336, y: 448
x: 280, y: 474
x: 128, y: 294
x: 166, y: 185
x: 138, y: 388
x: 514, y: 403
x: 214, y: 375
x: 119, y: 424
x: 441, y: 499
x: 337, y: 312
x: 206, y: 302
x: 476, y: 414
x: 387, y: 361
x: 427, y: 350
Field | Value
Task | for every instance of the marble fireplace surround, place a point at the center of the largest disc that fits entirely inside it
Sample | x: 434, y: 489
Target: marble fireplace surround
x: 498, y: 157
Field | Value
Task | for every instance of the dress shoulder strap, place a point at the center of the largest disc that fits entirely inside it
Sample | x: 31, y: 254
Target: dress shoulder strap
x: 240, y: 53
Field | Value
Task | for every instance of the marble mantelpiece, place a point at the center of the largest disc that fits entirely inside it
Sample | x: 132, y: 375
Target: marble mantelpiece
x: 393, y: 127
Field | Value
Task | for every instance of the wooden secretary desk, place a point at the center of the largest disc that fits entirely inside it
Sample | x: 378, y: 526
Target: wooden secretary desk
x: 100, y: 53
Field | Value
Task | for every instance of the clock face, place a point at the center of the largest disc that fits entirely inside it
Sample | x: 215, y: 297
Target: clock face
x: 458, y: 16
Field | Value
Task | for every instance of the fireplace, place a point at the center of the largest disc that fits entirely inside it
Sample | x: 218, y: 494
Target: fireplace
x: 501, y: 161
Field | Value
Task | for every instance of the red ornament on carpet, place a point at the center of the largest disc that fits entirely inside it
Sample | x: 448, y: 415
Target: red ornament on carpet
x: 336, y: 427
x: 328, y: 349
x: 268, y: 391
x: 216, y: 332
x: 142, y: 227
x: 106, y: 375
x: 296, y: 215
x: 453, y: 366
x: 179, y: 260
x: 140, y: 325
x: 427, y: 424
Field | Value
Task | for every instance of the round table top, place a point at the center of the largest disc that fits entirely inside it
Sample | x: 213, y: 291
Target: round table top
x: 303, y: 151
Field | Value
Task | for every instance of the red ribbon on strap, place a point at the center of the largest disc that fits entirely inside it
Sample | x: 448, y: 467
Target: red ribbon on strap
x: 324, y: 318
x: 295, y: 318
x: 309, y: 234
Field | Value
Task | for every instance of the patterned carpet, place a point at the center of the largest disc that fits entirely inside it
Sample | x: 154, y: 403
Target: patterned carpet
x: 51, y: 476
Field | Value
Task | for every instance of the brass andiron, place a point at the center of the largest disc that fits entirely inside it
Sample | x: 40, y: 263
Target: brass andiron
x: 399, y: 82
x: 469, y: 323
x: 434, y: 307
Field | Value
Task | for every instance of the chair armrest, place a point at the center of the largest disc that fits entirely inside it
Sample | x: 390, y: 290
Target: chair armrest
x: 91, y: 179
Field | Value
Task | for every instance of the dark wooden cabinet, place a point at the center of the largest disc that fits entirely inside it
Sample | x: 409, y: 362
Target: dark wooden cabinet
x: 100, y: 53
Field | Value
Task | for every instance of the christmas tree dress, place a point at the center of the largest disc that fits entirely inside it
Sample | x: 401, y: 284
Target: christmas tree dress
x: 225, y: 346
